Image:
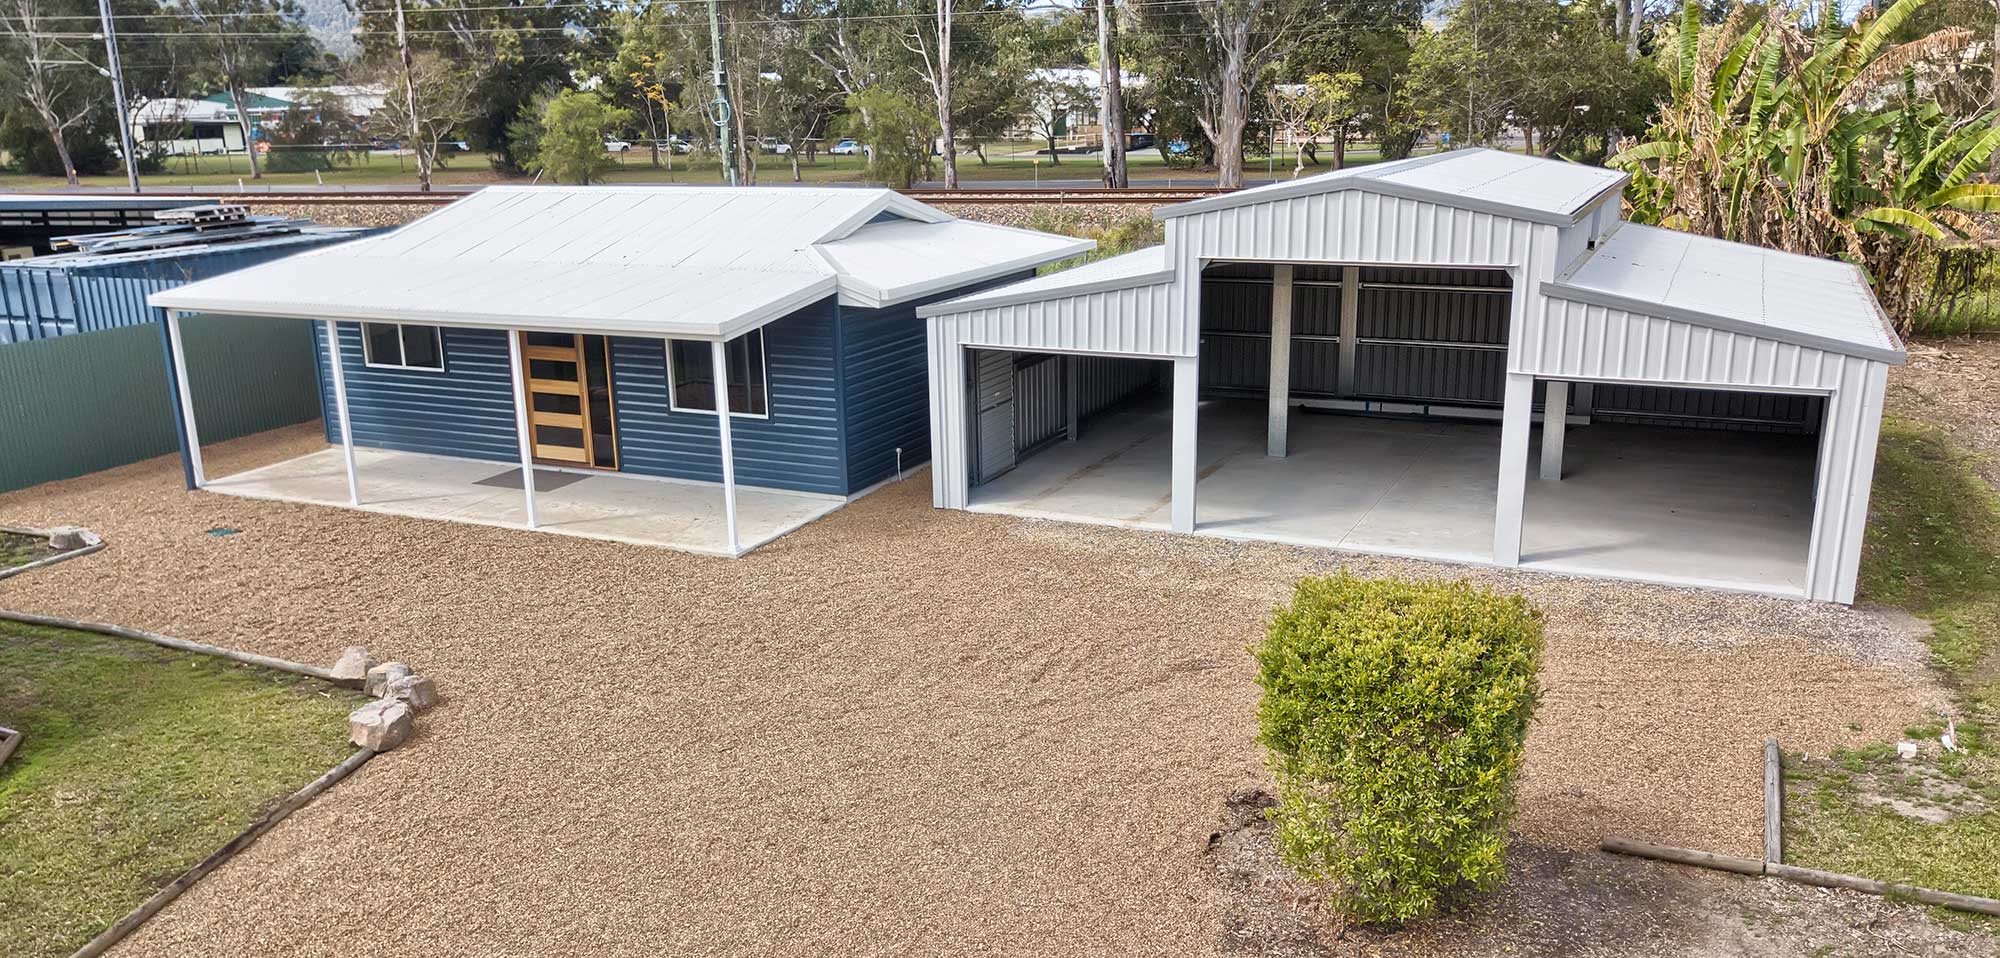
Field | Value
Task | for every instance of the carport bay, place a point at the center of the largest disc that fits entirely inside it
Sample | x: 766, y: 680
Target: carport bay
x: 1721, y: 400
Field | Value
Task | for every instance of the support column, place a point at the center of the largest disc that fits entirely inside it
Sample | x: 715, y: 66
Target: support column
x: 1555, y: 423
x: 1071, y: 383
x: 340, y: 408
x: 1278, y: 417
x: 1350, y: 327
x: 178, y: 345
x: 1515, y: 422
x: 523, y: 424
x: 719, y: 359
x: 1187, y: 412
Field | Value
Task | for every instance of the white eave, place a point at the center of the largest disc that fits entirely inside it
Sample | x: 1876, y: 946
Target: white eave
x: 1526, y: 188
x: 1146, y: 267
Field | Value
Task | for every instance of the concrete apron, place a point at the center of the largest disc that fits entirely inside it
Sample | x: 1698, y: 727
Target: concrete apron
x: 1677, y: 506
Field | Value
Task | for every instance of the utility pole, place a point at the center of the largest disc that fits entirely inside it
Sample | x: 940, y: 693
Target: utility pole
x: 118, y: 95
x: 724, y: 115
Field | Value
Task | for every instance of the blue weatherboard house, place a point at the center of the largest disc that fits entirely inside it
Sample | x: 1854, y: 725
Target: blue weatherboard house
x: 585, y: 336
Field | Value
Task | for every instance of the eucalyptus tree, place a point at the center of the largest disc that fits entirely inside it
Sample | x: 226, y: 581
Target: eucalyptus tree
x: 242, y: 40
x: 1224, y: 48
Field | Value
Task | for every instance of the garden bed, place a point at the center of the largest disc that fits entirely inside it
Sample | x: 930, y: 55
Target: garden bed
x: 136, y: 762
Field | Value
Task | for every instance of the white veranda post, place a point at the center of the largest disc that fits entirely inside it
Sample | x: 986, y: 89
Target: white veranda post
x: 340, y: 410
x: 522, y: 423
x: 1555, y: 425
x: 180, y: 373
x: 719, y: 356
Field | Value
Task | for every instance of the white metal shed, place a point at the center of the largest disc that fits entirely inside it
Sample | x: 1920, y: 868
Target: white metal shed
x: 1731, y: 394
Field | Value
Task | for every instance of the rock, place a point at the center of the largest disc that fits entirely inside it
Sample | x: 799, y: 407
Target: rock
x: 416, y: 690
x: 380, y: 725
x: 1906, y: 750
x: 380, y: 676
x: 352, y: 667
x: 65, y: 538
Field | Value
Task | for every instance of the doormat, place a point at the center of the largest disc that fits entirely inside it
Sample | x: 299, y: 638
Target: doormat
x: 546, y: 480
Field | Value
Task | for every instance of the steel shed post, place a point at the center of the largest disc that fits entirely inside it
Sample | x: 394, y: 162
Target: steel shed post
x: 1187, y: 412
x: 522, y: 425
x: 178, y: 346
x: 1513, y: 487
x: 719, y: 356
x: 1555, y: 424
x: 340, y: 409
x: 1278, y: 416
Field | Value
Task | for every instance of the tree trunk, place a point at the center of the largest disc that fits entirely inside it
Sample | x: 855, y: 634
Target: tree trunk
x: 945, y: 130
x: 243, y: 120
x: 1528, y: 139
x: 1055, y: 156
x: 1340, y: 147
x: 62, y: 148
x: 1632, y: 29
x: 1225, y: 132
x: 1111, y: 97
x: 410, y: 100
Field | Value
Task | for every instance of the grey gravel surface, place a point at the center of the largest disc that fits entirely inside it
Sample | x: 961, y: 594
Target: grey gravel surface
x: 896, y: 731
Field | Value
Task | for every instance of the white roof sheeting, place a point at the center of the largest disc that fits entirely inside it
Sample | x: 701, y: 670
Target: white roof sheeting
x: 1491, y: 181
x: 1735, y: 287
x: 1146, y: 267
x: 692, y: 261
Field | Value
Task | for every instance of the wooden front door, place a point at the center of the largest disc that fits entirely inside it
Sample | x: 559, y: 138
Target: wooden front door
x: 569, y: 399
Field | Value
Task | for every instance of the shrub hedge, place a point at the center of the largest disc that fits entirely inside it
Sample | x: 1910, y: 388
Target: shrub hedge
x: 1396, y: 714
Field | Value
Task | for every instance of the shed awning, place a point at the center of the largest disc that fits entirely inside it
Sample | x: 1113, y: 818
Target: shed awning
x: 695, y: 262
x: 1734, y: 287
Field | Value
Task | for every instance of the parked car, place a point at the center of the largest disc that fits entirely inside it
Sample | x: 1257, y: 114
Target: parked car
x: 616, y: 146
x: 772, y: 144
x: 677, y: 145
x: 846, y: 148
x: 1139, y: 141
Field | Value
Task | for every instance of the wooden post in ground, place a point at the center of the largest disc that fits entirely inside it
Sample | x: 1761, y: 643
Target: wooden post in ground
x: 1774, y: 803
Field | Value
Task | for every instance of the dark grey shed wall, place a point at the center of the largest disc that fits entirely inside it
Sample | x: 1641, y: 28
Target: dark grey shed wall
x: 466, y: 410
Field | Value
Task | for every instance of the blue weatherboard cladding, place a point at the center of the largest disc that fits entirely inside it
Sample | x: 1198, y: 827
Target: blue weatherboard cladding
x: 847, y: 388
x: 885, y: 356
x: 467, y: 410
x: 798, y: 447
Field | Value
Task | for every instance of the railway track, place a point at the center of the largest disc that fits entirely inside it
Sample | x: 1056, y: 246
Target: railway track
x: 1051, y: 195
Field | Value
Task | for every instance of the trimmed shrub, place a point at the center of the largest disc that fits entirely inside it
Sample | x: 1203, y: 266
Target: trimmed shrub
x: 1396, y: 715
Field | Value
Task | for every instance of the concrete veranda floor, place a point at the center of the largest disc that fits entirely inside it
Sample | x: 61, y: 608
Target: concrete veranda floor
x: 1677, y: 506
x: 651, y: 512
x: 896, y: 731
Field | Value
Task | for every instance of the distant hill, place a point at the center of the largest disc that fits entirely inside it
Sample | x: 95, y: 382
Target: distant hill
x: 332, y: 24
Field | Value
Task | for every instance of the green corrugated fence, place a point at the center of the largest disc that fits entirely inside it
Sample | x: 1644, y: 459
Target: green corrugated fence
x: 76, y: 404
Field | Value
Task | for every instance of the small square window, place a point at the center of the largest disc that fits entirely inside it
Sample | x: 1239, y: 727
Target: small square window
x: 403, y: 346
x: 691, y: 371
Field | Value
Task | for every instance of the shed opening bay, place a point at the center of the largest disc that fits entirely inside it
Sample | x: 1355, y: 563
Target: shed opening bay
x: 1464, y: 357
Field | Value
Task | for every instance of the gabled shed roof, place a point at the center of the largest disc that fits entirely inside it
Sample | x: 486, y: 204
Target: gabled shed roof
x: 1490, y: 181
x: 1735, y: 287
x: 700, y: 262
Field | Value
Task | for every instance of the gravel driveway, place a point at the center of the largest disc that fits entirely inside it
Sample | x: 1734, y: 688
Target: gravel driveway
x: 896, y: 731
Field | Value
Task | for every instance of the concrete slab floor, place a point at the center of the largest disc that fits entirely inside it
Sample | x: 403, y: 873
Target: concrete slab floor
x: 676, y: 515
x: 1691, y: 507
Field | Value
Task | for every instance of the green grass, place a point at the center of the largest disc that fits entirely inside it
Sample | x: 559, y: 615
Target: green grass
x: 1006, y: 162
x: 16, y: 549
x: 136, y: 763
x: 1934, y: 549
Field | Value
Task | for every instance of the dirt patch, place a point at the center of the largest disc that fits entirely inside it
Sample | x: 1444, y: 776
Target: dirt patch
x: 1949, y: 382
x: 17, y: 549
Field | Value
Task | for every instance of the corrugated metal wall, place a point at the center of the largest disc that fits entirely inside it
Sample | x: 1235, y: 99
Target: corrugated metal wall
x: 797, y: 447
x: 1117, y: 321
x: 45, y: 300
x: 76, y: 404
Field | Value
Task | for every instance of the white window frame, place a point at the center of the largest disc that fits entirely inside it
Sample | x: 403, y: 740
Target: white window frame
x: 368, y: 348
x: 763, y: 352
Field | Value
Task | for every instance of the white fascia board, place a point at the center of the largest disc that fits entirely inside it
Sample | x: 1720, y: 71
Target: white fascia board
x: 727, y: 328
x: 999, y: 298
x: 1592, y: 297
x: 910, y: 291
x: 1402, y: 191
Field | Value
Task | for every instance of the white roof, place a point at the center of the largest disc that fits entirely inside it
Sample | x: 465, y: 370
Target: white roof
x: 1508, y: 184
x: 1146, y: 267
x: 702, y: 262
x: 1803, y: 300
